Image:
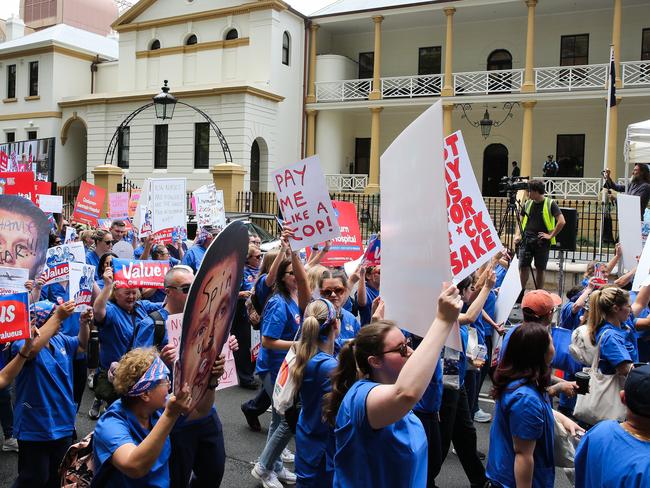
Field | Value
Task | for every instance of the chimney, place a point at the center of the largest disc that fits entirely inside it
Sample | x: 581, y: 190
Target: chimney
x: 14, y: 28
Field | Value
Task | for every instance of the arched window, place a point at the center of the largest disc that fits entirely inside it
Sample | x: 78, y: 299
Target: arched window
x: 191, y: 40
x: 255, y: 167
x: 286, y: 48
x: 155, y: 44
x: 232, y: 34
x: 499, y: 59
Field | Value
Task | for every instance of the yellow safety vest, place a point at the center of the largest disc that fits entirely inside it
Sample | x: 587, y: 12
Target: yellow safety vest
x: 547, y: 216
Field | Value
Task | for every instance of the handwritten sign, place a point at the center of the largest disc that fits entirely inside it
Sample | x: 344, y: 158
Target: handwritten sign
x: 473, y: 240
x: 50, y: 203
x: 12, y: 280
x: 139, y: 274
x: 89, y: 203
x: 167, y: 207
x: 174, y: 326
x: 348, y: 246
x: 82, y: 279
x: 209, y: 207
x: 14, y: 317
x: 229, y: 377
x: 305, y: 202
x: 18, y: 183
x: 118, y: 205
x: 57, y: 260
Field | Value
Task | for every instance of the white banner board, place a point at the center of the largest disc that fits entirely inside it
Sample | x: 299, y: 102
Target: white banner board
x: 168, y: 207
x: 305, y: 202
x: 12, y: 280
x: 50, y: 203
x: 629, y: 228
x: 82, y: 278
x: 643, y: 269
x: 508, y: 293
x: 210, y: 208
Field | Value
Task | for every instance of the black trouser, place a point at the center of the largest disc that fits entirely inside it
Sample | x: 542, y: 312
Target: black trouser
x: 6, y: 412
x: 242, y: 331
x: 431, y: 424
x: 258, y: 404
x: 198, y: 448
x: 456, y: 425
x: 79, y: 377
x: 39, y: 461
x: 472, y: 380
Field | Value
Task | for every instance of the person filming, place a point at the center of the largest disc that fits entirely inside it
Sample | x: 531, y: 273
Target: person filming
x: 541, y: 222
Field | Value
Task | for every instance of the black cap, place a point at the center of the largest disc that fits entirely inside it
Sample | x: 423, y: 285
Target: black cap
x: 637, y: 390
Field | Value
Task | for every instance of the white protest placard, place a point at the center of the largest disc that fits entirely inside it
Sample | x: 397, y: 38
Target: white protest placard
x: 12, y: 280
x: 174, y: 326
x: 124, y: 250
x: 414, y: 250
x: 168, y: 207
x: 57, y: 259
x: 70, y: 235
x: 508, y: 293
x: 210, y: 209
x: 629, y: 228
x: 229, y: 377
x: 473, y: 240
x: 82, y: 278
x: 643, y: 269
x: 305, y: 202
x: 50, y: 203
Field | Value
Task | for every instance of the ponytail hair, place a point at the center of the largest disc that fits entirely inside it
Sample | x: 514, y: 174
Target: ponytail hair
x: 601, y: 304
x: 320, y: 317
x: 353, y: 364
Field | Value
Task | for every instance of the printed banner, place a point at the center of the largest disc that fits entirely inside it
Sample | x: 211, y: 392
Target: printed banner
x: 305, y: 202
x: 133, y: 201
x: 50, y: 203
x: 168, y: 208
x: 118, y: 205
x: 139, y: 274
x: 89, y: 204
x: 629, y: 228
x: 18, y: 183
x: 229, y: 377
x: 58, y: 258
x: 70, y: 235
x: 210, y: 308
x: 35, y: 156
x: 372, y: 255
x: 14, y: 317
x: 174, y: 326
x: 82, y: 279
x: 348, y: 246
x: 12, y: 280
x: 473, y: 240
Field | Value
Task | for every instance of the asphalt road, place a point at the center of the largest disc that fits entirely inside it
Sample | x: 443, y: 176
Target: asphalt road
x: 243, y: 446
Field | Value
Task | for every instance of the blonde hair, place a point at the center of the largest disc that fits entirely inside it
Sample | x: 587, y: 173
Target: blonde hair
x: 314, y: 274
x: 316, y: 314
x: 601, y: 304
x: 269, y: 257
x: 131, y: 368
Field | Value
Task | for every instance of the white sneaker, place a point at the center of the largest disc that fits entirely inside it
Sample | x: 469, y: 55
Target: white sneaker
x: 95, y: 409
x: 287, y: 456
x: 268, y: 478
x: 482, y: 417
x: 91, y: 381
x: 10, y: 444
x: 286, y: 476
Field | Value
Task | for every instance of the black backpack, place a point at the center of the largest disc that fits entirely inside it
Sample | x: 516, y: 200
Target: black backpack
x: 158, y: 329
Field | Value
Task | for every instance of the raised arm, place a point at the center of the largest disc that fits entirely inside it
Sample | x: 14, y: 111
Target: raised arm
x: 148, y: 243
x: 641, y: 300
x: 477, y: 304
x: 99, y: 307
x: 317, y: 255
x: 582, y: 299
x: 387, y: 404
x: 614, y: 261
x: 362, y: 297
x: 51, y: 327
x: 272, y: 275
x: 304, y: 292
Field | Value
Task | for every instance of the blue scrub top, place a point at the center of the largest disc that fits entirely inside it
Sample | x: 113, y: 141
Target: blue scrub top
x: 138, y: 252
x: 314, y: 438
x: 500, y: 273
x: 348, y: 305
x: 506, y: 339
x: 194, y: 256
x: 280, y: 320
x: 248, y: 280
x: 568, y: 319
x: 432, y: 397
x: 350, y: 326
x: 609, y: 457
x: 393, y: 456
x: 365, y: 313
x: 144, y: 336
x: 262, y: 291
x: 521, y: 412
x: 45, y: 409
x: 116, y: 331
x: 117, y: 427
x: 618, y: 346
x: 490, y: 309
x: 158, y: 296
x: 52, y: 293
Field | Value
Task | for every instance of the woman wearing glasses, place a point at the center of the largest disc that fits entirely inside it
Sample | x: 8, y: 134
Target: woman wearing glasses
x: 333, y: 286
x: 379, y: 440
x: 103, y: 244
x: 131, y: 443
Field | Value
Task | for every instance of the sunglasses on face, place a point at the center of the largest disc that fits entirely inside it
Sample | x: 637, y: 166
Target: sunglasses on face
x: 403, y: 348
x: 257, y: 256
x: 339, y: 290
x: 109, y: 243
x: 183, y: 289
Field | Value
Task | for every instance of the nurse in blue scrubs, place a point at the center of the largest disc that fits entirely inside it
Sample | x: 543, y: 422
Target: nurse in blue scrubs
x: 379, y: 440
x: 131, y: 444
x: 368, y: 290
x: 44, y: 419
x: 521, y: 437
x: 314, y: 363
x: 333, y: 286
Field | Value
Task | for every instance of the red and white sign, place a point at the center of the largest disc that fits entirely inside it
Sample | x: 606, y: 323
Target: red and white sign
x: 57, y: 261
x: 174, y: 326
x: 229, y: 377
x: 305, y: 202
x: 372, y: 255
x: 473, y: 240
x: 82, y: 279
x: 18, y: 183
x: 348, y: 246
x: 43, y: 187
x: 118, y: 205
x: 139, y: 274
x: 14, y: 317
x: 89, y: 203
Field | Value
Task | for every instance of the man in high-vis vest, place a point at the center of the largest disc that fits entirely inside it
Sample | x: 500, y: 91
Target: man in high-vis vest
x: 541, y: 221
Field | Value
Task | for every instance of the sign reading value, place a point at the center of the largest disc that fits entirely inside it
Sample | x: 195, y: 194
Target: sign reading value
x: 139, y: 274
x: 14, y: 317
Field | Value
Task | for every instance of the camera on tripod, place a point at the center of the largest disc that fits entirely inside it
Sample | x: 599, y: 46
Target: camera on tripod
x: 512, y: 184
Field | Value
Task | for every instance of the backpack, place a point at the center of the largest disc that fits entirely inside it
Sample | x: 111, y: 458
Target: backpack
x: 78, y: 468
x: 158, y: 329
x: 581, y: 347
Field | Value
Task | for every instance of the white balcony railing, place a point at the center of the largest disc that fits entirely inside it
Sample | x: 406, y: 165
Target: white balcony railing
x: 411, y: 86
x: 570, y: 78
x: 356, y: 183
x: 339, y: 91
x: 635, y: 73
x: 567, y: 188
x: 484, y: 82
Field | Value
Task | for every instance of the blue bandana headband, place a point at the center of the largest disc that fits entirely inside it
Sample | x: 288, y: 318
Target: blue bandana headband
x: 154, y: 374
x: 331, y: 315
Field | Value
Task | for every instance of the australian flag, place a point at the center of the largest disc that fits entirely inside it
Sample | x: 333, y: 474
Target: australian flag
x: 611, y: 102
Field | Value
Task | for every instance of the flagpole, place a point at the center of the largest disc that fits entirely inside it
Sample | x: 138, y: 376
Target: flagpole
x: 607, y: 116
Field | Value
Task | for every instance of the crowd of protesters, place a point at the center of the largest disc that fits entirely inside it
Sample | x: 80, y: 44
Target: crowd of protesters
x: 374, y: 404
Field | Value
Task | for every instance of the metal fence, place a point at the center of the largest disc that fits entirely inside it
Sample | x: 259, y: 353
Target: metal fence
x: 127, y: 185
x: 69, y: 193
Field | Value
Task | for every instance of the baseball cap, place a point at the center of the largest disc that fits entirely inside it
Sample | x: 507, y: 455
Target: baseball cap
x: 637, y: 390
x: 540, y: 302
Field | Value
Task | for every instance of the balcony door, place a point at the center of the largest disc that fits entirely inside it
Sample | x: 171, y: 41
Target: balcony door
x: 495, y: 167
x: 500, y: 59
x: 362, y: 156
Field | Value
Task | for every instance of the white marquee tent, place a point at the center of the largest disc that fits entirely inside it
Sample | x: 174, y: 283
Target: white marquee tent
x: 637, y: 144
